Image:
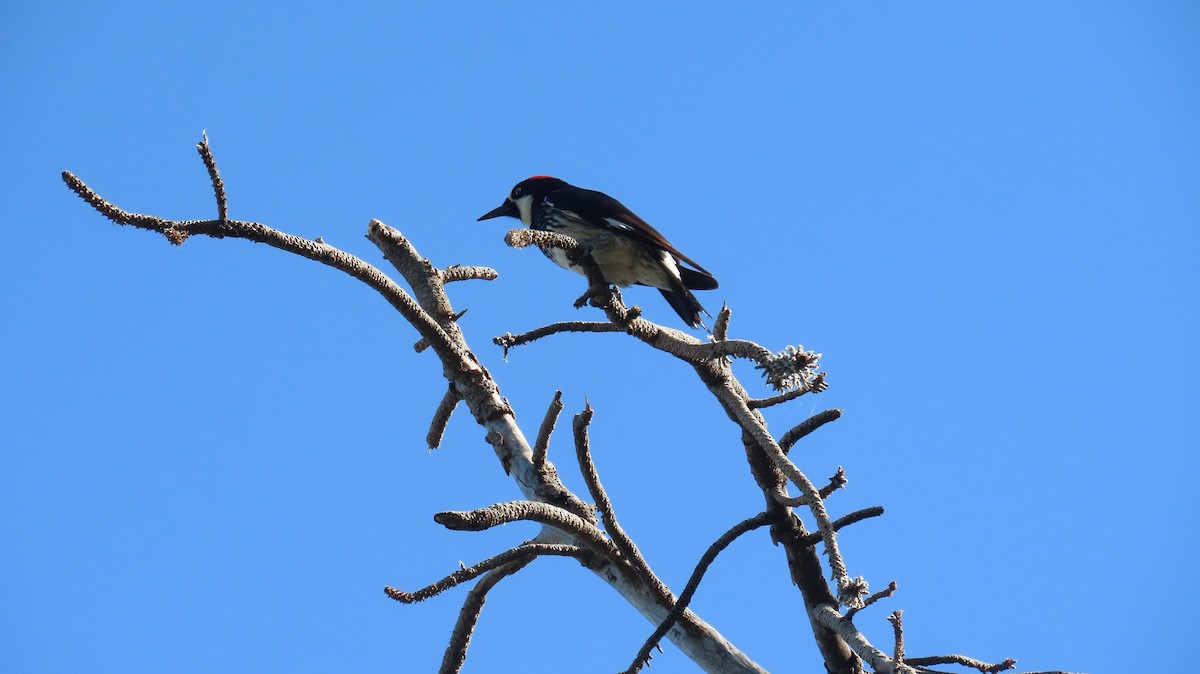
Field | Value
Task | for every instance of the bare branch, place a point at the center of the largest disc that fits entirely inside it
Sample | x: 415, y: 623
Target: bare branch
x: 457, y: 272
x: 818, y: 385
x: 420, y: 274
x: 456, y: 652
x: 845, y: 521
x: 542, y: 444
x: 116, y: 214
x: 807, y: 426
x: 210, y: 163
x: 728, y: 348
x: 509, y: 340
x: 533, y: 511
x: 643, y: 656
x: 720, y: 329
x: 523, y: 238
x: 526, y: 551
x: 836, y: 482
x: 178, y: 231
x: 896, y: 619
x: 882, y: 594
x: 968, y: 662
x: 621, y: 539
x: 441, y: 417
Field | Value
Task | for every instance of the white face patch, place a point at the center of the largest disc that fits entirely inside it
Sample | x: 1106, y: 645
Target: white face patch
x: 525, y: 208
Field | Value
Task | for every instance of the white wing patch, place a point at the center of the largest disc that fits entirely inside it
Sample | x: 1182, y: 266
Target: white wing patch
x: 618, y: 224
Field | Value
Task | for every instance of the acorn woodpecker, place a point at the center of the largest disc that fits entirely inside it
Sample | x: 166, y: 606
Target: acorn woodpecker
x: 626, y: 249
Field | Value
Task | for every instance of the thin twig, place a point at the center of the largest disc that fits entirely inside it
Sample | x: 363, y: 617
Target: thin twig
x: 817, y: 386
x: 528, y: 550
x: 844, y: 521
x: 210, y: 163
x: 509, y: 340
x: 643, y: 656
x: 611, y: 525
x: 969, y: 662
x: 441, y: 417
x: 882, y: 594
x: 115, y: 213
x: 456, y: 652
x: 836, y: 482
x: 787, y: 440
x: 542, y: 444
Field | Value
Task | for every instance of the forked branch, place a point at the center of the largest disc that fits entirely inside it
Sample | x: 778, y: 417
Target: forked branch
x: 441, y: 418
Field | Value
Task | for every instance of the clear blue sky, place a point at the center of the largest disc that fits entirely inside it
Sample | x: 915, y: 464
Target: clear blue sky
x: 985, y: 215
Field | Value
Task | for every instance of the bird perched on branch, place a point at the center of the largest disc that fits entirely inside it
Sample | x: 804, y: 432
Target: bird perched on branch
x: 627, y: 250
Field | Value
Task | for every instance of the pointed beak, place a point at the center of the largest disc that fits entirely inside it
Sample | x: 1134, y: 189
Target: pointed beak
x: 507, y: 208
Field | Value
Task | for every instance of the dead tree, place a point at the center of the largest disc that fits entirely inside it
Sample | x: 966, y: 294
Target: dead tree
x: 571, y: 525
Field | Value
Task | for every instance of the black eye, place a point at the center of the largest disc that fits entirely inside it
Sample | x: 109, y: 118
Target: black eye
x: 516, y: 192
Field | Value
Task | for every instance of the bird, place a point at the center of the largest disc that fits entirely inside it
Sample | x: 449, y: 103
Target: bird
x: 626, y: 248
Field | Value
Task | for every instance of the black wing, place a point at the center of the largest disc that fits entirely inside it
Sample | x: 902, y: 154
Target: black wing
x: 600, y: 210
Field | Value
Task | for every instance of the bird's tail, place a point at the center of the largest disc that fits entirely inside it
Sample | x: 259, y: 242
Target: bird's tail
x: 686, y: 305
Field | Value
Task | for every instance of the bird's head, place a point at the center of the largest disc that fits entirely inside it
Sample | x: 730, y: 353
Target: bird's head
x: 519, y: 203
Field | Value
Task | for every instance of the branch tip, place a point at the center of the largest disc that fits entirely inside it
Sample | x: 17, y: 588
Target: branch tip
x: 963, y: 660
x: 441, y: 417
x: 210, y: 163
x: 896, y: 619
x: 456, y: 272
x: 542, y: 445
x: 720, y: 329
x: 836, y: 482
x: 807, y: 426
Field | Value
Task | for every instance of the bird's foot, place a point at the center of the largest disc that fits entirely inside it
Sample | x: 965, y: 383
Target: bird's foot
x: 596, y: 296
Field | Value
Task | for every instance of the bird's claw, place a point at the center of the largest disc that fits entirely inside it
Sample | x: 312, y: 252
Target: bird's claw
x: 598, y: 296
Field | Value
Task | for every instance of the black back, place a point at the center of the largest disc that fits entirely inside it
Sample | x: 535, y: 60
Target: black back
x: 595, y: 207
